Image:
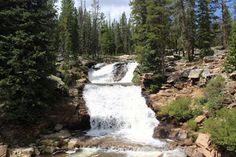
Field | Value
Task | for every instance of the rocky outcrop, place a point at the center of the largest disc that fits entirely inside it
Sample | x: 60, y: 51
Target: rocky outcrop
x: 21, y: 152
x: 3, y: 150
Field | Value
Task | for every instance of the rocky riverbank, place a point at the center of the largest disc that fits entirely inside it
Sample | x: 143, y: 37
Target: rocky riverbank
x: 188, y: 80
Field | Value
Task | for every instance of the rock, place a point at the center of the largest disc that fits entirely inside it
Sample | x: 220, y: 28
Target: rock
x: 3, y: 150
x: 21, y: 152
x: 120, y: 69
x: 161, y: 132
x: 231, y: 106
x: 170, y: 58
x: 182, y: 135
x: 73, y: 143
x: 197, y: 154
x: 58, y: 127
x: 185, y: 73
x: 73, y: 92
x: 195, y: 73
x: 60, y: 135
x: 203, y: 140
x: 186, y: 142
x: 199, y: 119
x: 58, y: 80
x: 178, y: 134
x: 233, y: 76
x: 206, y: 73
x: 231, y: 87
x: 172, y: 79
x: 209, y: 59
x: 99, y: 66
x: 207, y: 152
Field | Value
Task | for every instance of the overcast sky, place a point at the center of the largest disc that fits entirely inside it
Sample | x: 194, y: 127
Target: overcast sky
x: 113, y: 7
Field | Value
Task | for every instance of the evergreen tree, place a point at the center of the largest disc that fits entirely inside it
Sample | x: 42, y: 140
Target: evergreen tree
x: 204, y: 32
x: 230, y: 62
x: 26, y: 58
x: 184, y: 22
x: 67, y: 30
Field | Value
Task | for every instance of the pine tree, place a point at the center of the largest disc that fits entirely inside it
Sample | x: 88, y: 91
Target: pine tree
x: 184, y: 22
x: 139, y: 19
x: 26, y: 58
x: 204, y: 32
x: 230, y: 62
x: 67, y: 30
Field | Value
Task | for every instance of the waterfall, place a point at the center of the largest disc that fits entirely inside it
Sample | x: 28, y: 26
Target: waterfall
x: 118, y: 111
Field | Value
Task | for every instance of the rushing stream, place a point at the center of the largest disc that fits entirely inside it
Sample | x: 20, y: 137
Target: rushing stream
x: 118, y: 111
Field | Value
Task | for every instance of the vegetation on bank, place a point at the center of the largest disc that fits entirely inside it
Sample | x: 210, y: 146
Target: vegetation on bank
x: 221, y: 122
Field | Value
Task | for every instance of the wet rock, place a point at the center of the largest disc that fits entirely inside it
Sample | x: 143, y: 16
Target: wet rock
x: 195, y: 73
x: 99, y: 66
x: 3, y: 150
x: 200, y: 119
x: 73, y: 143
x: 178, y: 134
x: 58, y: 127
x: 120, y: 69
x: 22, y: 152
x: 60, y: 135
x: 203, y: 140
x: 161, y: 132
x: 233, y: 76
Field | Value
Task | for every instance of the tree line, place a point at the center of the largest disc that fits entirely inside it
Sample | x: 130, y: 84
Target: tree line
x: 84, y: 32
x: 180, y: 26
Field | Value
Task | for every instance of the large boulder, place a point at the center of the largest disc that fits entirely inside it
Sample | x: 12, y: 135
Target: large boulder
x: 161, y: 132
x: 203, y: 141
x: 195, y: 73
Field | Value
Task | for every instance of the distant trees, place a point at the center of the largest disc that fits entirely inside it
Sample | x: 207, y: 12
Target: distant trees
x: 27, y: 58
x: 83, y: 32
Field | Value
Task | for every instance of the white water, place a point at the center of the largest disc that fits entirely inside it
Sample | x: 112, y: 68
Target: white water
x: 119, y: 111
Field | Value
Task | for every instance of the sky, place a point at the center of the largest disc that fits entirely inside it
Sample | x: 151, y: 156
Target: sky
x: 114, y: 8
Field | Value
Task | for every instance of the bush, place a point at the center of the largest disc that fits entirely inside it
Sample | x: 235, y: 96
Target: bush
x: 214, y: 92
x: 222, y: 128
x: 181, y: 109
x: 191, y: 124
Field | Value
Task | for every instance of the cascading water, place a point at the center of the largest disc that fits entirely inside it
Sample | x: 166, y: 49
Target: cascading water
x: 118, y: 110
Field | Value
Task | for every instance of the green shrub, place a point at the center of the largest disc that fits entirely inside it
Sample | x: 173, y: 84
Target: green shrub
x: 214, y: 92
x: 191, y: 124
x: 222, y: 128
x: 181, y: 109
x: 136, y: 78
